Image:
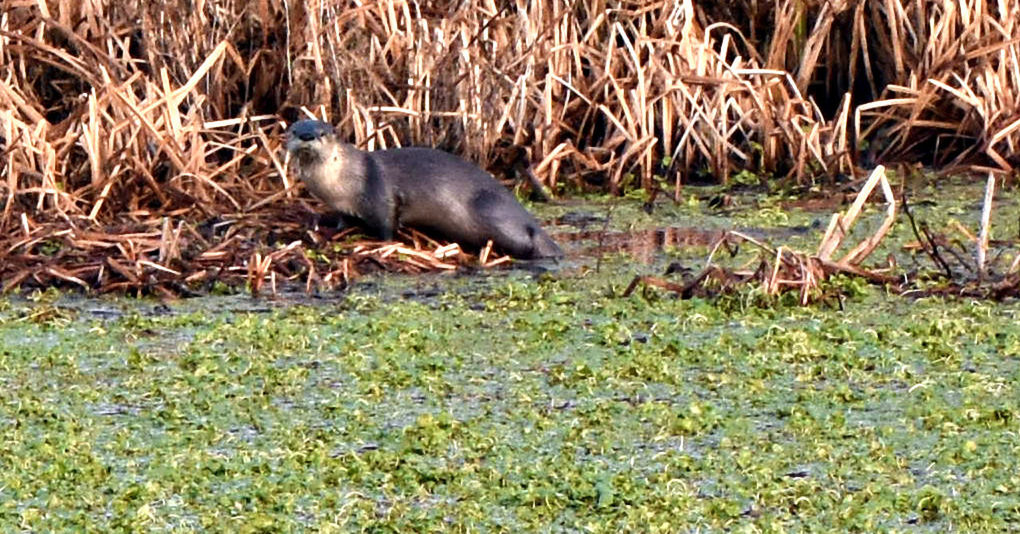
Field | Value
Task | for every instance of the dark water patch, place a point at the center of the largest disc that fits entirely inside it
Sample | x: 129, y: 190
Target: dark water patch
x: 826, y: 203
x: 645, y: 245
x: 581, y: 219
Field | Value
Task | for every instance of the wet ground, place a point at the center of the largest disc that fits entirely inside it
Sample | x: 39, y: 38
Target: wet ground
x: 533, y: 398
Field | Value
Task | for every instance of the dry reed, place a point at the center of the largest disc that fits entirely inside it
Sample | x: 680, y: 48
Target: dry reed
x: 129, y: 127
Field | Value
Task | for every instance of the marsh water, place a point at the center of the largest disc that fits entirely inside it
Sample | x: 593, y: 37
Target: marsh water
x: 534, y: 398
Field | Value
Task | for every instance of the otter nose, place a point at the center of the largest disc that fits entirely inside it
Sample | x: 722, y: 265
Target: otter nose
x: 307, y: 135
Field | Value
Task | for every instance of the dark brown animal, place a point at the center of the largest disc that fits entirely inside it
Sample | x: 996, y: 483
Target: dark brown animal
x: 422, y: 188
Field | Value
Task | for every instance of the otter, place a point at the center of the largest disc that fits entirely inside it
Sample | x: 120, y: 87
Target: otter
x: 417, y: 187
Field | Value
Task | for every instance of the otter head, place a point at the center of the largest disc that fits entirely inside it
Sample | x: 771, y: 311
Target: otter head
x: 309, y: 140
x: 330, y: 168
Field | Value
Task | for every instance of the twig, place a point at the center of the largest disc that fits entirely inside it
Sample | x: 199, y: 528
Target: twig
x: 602, y: 236
x: 684, y: 290
x: 926, y: 243
x: 986, y: 213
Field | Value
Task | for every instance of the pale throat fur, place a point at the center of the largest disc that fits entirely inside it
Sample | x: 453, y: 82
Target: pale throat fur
x: 334, y: 173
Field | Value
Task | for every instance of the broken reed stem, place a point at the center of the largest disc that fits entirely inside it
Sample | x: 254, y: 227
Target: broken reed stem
x: 986, y: 214
x: 840, y: 225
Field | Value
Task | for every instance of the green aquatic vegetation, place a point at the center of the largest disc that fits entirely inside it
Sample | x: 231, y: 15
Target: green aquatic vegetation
x: 511, y: 403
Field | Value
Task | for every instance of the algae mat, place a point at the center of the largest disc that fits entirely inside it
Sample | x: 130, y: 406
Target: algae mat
x: 508, y: 403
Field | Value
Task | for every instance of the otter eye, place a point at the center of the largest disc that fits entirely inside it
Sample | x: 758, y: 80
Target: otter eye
x: 309, y: 130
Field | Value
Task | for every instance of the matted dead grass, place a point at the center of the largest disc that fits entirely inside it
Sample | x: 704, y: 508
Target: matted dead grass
x: 127, y: 124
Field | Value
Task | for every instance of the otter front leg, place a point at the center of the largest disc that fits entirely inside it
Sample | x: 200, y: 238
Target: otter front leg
x: 385, y: 230
x: 335, y: 220
x: 377, y: 202
x: 380, y: 222
x: 345, y: 221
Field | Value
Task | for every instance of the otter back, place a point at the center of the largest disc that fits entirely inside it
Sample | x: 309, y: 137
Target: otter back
x: 439, y: 191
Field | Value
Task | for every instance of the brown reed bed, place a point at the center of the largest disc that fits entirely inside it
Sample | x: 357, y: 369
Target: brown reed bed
x: 119, y: 119
x: 278, y: 247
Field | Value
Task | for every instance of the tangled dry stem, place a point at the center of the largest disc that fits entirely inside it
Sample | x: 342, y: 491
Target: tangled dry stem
x: 781, y: 270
